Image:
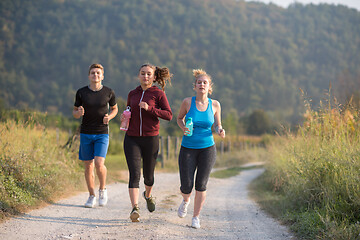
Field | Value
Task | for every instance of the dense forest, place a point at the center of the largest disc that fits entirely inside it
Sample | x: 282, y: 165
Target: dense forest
x: 259, y: 55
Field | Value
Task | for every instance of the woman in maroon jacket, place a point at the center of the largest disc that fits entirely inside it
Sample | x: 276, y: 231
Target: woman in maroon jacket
x: 148, y: 103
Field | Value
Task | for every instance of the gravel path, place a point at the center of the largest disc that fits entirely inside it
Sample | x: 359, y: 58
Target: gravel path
x: 228, y: 213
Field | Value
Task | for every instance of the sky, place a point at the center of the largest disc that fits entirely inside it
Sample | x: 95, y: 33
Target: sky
x: 285, y: 3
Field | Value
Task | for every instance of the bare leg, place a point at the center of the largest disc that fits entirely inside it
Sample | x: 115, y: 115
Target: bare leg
x: 186, y: 197
x: 199, y: 202
x: 134, y: 196
x: 148, y: 191
x: 101, y: 171
x: 89, y: 176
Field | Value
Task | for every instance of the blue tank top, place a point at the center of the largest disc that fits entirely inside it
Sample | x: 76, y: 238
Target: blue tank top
x: 202, y: 136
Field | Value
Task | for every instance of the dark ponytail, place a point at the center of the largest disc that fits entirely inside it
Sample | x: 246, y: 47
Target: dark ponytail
x: 162, y: 75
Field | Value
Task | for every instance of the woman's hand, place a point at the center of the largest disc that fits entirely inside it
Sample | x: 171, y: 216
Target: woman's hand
x: 144, y: 105
x: 186, y: 130
x: 220, y: 131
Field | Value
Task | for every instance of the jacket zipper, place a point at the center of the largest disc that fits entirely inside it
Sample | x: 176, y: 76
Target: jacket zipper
x: 142, y: 95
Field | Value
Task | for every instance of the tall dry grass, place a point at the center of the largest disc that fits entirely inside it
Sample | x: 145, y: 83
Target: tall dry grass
x: 317, y: 173
x: 34, y: 166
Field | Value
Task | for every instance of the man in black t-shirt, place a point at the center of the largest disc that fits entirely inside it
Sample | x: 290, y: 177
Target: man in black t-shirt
x: 92, y: 103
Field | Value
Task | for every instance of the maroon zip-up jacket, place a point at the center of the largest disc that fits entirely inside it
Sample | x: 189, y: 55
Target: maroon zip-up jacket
x: 146, y: 123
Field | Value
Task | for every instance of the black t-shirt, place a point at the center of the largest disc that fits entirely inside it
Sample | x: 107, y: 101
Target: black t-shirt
x: 96, y: 105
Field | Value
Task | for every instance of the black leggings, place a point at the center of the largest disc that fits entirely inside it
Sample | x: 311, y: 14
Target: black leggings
x: 136, y: 148
x: 191, y: 159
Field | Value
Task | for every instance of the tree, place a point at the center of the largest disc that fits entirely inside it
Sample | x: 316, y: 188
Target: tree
x: 258, y: 123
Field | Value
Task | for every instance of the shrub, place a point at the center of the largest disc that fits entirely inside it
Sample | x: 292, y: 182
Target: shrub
x: 34, y: 165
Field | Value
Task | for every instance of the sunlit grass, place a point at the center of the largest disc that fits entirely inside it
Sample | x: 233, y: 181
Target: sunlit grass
x: 34, y: 166
x: 316, y: 175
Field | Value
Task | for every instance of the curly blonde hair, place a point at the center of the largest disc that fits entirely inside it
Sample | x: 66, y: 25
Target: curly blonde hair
x: 200, y: 73
x: 162, y: 75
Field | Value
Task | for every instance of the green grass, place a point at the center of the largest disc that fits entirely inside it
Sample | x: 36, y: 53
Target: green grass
x: 226, y: 173
x: 230, y: 172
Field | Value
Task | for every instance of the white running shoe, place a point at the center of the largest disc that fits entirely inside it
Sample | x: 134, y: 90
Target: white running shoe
x: 182, y: 211
x: 195, y: 222
x: 135, y: 215
x: 103, y: 198
x: 90, y: 202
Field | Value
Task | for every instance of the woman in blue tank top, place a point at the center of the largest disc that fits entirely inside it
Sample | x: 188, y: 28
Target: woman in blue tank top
x: 198, y: 151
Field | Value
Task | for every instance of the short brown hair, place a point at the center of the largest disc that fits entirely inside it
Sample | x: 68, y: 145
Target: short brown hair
x: 96, y: 65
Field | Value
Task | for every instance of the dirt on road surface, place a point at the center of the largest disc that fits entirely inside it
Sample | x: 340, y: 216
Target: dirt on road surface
x: 228, y: 213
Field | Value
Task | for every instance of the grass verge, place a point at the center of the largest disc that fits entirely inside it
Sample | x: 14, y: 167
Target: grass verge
x: 35, y: 167
x: 312, y: 181
x: 230, y: 172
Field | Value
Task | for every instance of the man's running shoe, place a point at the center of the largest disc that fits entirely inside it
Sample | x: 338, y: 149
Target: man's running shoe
x: 103, y: 198
x: 90, y: 202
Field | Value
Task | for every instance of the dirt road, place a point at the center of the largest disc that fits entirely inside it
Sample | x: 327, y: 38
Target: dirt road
x: 228, y: 214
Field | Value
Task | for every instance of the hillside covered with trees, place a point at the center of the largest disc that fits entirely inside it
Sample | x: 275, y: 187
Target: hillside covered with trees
x: 258, y: 55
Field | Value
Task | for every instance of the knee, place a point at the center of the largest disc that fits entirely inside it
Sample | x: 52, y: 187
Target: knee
x: 200, y: 184
x: 186, y: 189
x: 149, y: 181
x: 89, y: 165
x: 187, y: 184
x: 99, y: 162
x: 200, y: 188
x: 134, y: 179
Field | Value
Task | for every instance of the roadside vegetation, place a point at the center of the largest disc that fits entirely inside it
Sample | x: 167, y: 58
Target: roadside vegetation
x: 312, y: 181
x: 39, y: 160
x: 36, y: 166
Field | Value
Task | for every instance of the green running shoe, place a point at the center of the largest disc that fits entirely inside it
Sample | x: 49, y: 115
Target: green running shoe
x: 150, y: 202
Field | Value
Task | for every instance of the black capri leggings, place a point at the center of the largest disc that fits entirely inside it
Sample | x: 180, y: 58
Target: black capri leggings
x: 191, y: 159
x: 136, y: 148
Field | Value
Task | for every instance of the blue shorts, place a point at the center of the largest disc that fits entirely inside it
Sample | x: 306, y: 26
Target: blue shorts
x: 93, y: 145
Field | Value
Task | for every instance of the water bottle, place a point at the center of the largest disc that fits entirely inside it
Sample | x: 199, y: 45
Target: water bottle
x: 126, y: 119
x: 190, y: 126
